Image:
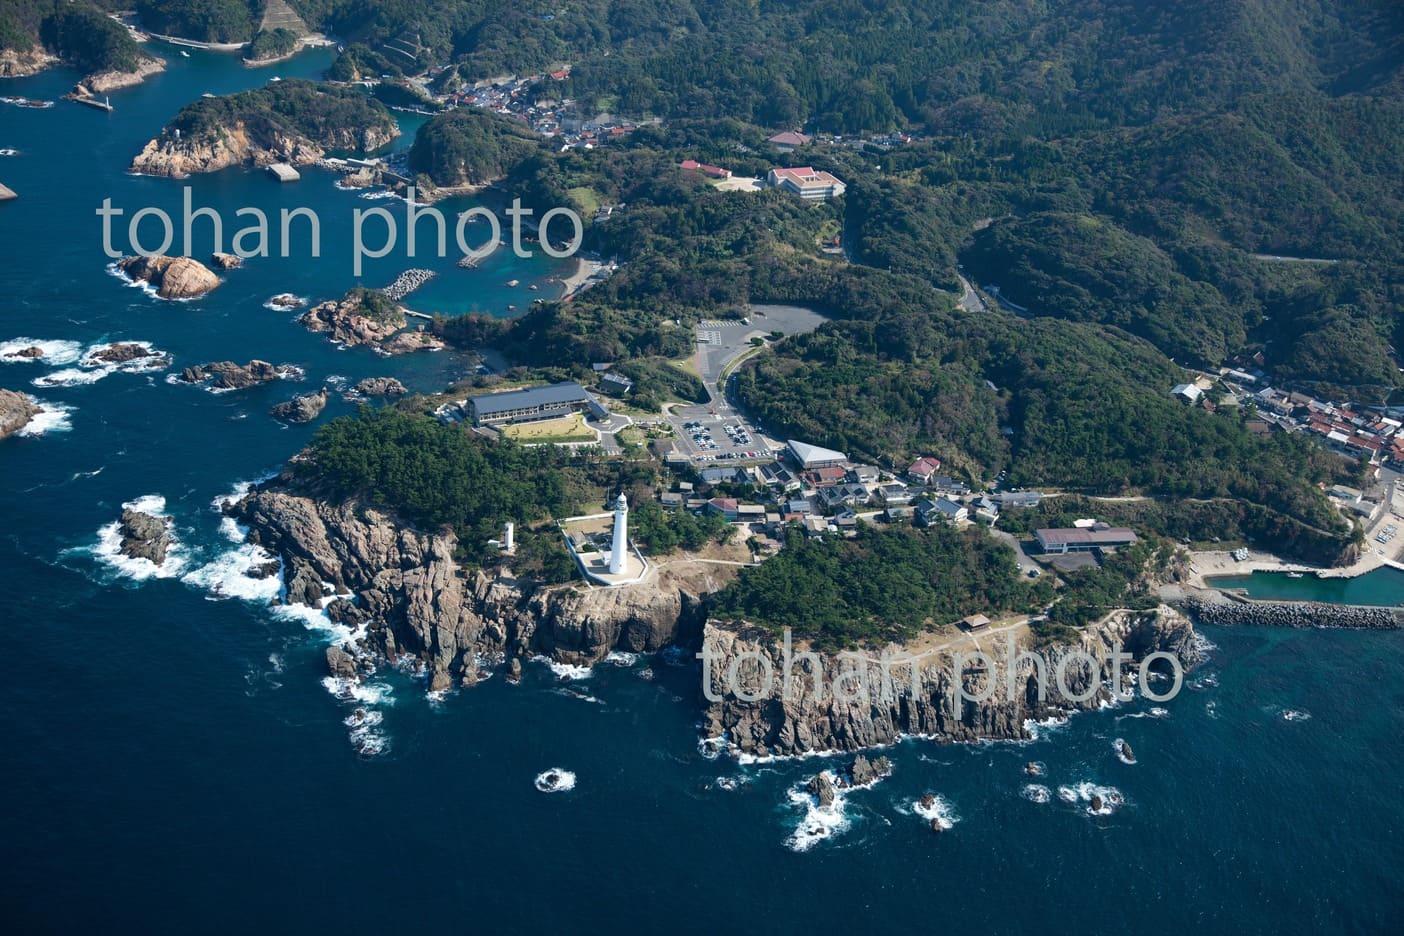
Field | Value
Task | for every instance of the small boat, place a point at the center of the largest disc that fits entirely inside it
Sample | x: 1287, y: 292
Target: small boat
x: 513, y: 282
x: 184, y: 53
x: 1294, y: 575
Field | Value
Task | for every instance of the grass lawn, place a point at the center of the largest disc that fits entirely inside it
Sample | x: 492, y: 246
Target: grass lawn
x: 587, y: 199
x: 566, y: 429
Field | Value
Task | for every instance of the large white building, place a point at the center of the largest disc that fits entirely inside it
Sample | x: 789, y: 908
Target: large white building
x: 809, y: 184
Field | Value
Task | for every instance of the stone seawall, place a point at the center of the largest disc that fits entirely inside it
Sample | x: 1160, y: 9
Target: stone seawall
x: 1293, y: 614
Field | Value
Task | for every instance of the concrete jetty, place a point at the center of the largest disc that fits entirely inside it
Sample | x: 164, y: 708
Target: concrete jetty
x: 284, y: 173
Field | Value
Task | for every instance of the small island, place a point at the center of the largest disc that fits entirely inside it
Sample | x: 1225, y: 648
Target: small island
x: 293, y: 122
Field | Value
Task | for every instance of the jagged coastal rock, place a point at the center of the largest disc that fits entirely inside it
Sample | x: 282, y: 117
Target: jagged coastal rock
x: 416, y: 602
x: 261, y: 141
x: 407, y: 342
x: 104, y: 81
x: 810, y: 721
x: 16, y: 410
x: 380, y: 387
x: 230, y: 376
x: 173, y: 277
x: 21, y: 63
x: 367, y: 317
x: 345, y: 321
x: 226, y: 261
x: 144, y: 536
x: 127, y: 352
x: 32, y: 353
x: 302, y: 409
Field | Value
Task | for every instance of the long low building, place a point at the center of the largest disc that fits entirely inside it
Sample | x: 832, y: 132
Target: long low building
x: 806, y: 182
x: 531, y: 404
x: 1083, y: 539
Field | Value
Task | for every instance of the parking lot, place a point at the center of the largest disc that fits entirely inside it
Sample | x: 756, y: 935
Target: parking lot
x: 715, y: 432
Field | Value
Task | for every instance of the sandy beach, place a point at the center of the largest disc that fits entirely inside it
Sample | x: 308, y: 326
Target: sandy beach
x: 584, y: 269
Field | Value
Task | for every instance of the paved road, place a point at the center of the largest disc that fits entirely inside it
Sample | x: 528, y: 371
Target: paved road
x: 719, y: 344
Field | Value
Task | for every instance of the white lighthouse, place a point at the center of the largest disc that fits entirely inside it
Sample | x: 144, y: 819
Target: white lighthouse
x: 619, y: 554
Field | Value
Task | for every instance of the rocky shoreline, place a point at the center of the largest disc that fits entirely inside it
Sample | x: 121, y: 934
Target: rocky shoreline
x: 173, y: 156
x: 1294, y: 614
x: 408, y: 600
x: 815, y: 719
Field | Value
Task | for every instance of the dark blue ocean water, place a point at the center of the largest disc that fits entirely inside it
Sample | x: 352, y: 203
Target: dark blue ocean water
x: 173, y: 761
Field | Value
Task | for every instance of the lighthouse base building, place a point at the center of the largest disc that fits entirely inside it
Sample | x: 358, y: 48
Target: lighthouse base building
x: 601, y: 547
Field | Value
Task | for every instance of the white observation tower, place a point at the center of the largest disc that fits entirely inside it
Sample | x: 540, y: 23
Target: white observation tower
x: 618, y: 556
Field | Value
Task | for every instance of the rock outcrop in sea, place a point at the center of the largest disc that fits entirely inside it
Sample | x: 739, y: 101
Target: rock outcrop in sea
x: 16, y: 410
x: 345, y: 321
x: 227, y: 261
x: 413, y: 600
x: 144, y: 536
x: 380, y: 387
x: 813, y: 717
x: 226, y: 375
x: 302, y: 409
x: 172, y: 277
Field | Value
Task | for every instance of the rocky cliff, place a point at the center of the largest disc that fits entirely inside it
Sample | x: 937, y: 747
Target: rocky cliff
x: 16, y: 411
x: 21, y: 63
x: 173, y: 277
x: 405, y: 595
x: 813, y: 716
x: 104, y: 81
x: 243, y: 144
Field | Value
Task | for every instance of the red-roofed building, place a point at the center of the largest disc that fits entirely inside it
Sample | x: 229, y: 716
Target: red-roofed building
x: 809, y: 184
x: 924, y: 469
x: 716, y: 172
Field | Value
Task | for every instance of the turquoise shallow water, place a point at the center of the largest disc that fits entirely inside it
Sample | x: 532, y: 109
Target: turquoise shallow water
x: 174, y: 762
x: 1383, y: 586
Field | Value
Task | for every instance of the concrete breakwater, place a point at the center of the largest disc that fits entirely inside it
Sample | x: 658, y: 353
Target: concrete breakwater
x: 406, y: 283
x: 1293, y: 614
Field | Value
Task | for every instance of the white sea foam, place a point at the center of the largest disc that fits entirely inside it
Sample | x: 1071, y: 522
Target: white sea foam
x: 1036, y: 793
x: 622, y: 658
x: 52, y: 417
x: 1112, y: 800
x: 358, y: 690
x: 940, y: 811
x: 109, y: 546
x: 817, y: 822
x: 564, y: 670
x: 91, y: 368
x: 70, y: 377
x: 55, y: 352
x: 1037, y: 729
x: 555, y: 780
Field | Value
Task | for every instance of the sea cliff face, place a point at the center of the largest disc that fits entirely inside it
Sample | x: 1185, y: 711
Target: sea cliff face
x: 405, y: 595
x: 21, y: 63
x: 814, y: 717
x: 242, y: 145
x: 113, y: 80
